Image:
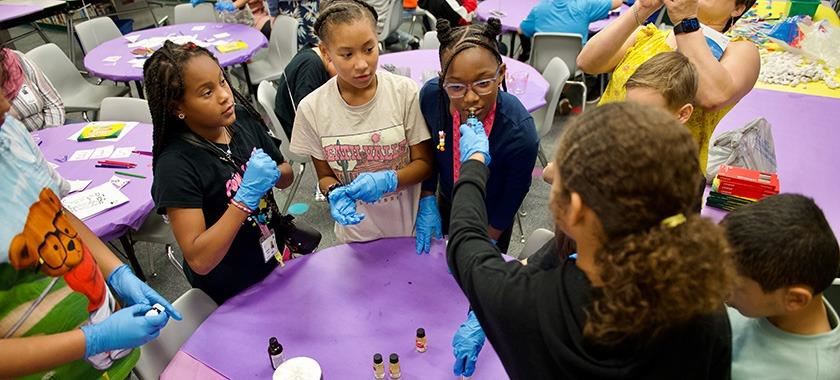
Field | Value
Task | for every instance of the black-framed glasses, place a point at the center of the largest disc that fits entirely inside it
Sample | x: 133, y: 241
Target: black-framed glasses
x: 481, y: 87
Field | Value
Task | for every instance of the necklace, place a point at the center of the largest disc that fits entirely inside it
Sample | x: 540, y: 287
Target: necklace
x: 228, y: 153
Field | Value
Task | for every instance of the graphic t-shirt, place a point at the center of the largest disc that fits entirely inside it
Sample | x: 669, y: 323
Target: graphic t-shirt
x: 188, y: 176
x: 40, y: 252
x: 368, y: 138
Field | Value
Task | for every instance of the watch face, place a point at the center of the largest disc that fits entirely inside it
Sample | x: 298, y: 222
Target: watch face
x: 692, y: 24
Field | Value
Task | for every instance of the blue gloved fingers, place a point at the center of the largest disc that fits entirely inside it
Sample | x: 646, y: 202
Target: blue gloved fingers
x: 126, y: 328
x: 460, y: 363
x: 260, y: 176
x: 195, y: 2
x: 421, y: 242
x: 154, y: 298
x: 343, y: 208
x: 469, y: 367
x: 474, y: 140
x: 370, y: 187
x: 156, y: 322
x: 132, y: 291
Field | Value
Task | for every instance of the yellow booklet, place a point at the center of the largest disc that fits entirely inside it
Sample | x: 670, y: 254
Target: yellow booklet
x: 232, y: 46
x: 99, y: 131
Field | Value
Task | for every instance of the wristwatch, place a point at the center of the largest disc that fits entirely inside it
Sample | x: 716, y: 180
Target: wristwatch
x: 687, y: 26
x: 331, y: 188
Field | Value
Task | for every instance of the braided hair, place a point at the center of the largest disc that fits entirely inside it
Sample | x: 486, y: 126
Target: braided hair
x: 164, y: 77
x: 344, y: 12
x: 455, y: 40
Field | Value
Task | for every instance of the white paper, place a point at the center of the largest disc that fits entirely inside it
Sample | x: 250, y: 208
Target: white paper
x: 52, y: 165
x: 92, y: 202
x: 128, y: 127
x: 123, y: 152
x: 132, y: 37
x: 102, y: 152
x: 198, y: 28
x: 119, y: 182
x: 79, y: 155
x: 78, y: 185
x: 113, y: 58
x: 221, y: 35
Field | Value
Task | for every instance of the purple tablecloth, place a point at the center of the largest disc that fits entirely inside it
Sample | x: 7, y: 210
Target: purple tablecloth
x: 513, y: 12
x: 115, y: 222
x: 12, y: 11
x: 806, y: 134
x: 423, y: 60
x: 123, y: 70
x: 340, y: 306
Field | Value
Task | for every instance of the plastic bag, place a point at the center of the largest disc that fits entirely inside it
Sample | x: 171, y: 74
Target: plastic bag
x: 750, y: 146
x: 821, y: 42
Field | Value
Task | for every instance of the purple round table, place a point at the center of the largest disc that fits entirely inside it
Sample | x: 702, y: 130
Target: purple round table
x: 511, y: 13
x: 423, y: 60
x: 13, y: 11
x: 124, y: 71
x: 805, y: 133
x: 339, y: 306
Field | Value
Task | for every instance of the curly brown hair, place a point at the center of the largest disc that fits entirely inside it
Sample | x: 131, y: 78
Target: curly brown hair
x: 634, y: 167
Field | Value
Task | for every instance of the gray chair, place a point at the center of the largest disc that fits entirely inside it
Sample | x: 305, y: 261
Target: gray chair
x: 556, y: 74
x: 186, y: 13
x: 282, y: 47
x: 535, y: 241
x: 430, y: 41
x: 566, y: 46
x: 265, y: 96
x: 392, y: 21
x: 95, y: 31
x: 195, y: 306
x: 135, y: 10
x: 78, y: 94
x: 832, y: 294
x: 125, y: 109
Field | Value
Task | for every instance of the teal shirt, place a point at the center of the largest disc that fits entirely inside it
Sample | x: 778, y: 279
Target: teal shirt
x: 761, y: 350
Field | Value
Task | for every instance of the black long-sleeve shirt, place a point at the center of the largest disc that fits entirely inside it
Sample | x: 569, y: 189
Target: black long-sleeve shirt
x: 534, y: 315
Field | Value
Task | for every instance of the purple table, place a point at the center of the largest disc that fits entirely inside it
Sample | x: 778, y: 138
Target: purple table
x: 516, y: 11
x: 124, y: 71
x: 423, y: 60
x: 116, y: 222
x: 806, y: 135
x: 13, y: 11
x: 339, y: 307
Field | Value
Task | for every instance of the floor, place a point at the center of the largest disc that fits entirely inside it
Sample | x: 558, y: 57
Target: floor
x: 171, y: 283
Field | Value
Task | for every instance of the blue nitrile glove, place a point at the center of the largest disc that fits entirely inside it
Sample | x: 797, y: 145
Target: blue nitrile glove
x: 196, y: 2
x: 369, y: 187
x: 474, y: 140
x: 343, y: 208
x: 260, y: 176
x: 225, y: 6
x: 127, y: 328
x: 466, y: 345
x: 427, y: 224
x: 132, y: 291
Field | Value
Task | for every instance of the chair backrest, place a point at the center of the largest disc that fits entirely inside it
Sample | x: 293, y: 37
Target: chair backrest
x: 195, y: 306
x: 832, y: 294
x: 95, y: 31
x: 125, y: 109
x: 430, y: 41
x: 546, y: 46
x: 432, y: 19
x: 535, y: 241
x: 283, y: 44
x: 392, y: 20
x: 556, y: 74
x: 58, y: 69
x: 186, y: 13
x: 266, y: 92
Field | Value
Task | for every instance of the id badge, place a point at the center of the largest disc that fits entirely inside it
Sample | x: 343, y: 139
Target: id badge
x: 269, y: 245
x: 27, y: 96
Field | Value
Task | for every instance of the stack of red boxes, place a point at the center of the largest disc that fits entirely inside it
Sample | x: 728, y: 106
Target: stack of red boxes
x: 735, y: 187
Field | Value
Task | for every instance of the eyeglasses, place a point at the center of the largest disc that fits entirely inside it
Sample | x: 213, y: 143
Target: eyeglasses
x: 481, y: 87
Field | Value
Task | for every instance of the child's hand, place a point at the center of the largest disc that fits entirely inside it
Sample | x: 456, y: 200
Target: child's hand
x: 127, y: 328
x: 260, y: 176
x: 679, y: 10
x: 369, y: 187
x: 466, y: 345
x: 132, y: 291
x: 196, y: 2
x: 343, y: 208
x: 428, y: 224
x: 225, y: 6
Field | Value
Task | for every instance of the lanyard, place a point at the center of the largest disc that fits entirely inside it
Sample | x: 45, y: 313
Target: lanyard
x: 456, y: 138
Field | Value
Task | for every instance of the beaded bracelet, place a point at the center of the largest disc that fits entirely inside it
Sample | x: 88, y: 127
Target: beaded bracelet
x: 241, y: 207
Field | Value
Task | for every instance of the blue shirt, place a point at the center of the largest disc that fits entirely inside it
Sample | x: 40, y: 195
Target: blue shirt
x: 564, y: 16
x: 513, y: 152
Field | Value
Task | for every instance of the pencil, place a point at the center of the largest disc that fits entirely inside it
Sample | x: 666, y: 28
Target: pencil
x: 129, y: 174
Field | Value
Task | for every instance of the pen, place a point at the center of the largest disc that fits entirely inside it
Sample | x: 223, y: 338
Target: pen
x: 142, y: 152
x: 129, y: 174
x: 113, y: 166
x: 111, y: 162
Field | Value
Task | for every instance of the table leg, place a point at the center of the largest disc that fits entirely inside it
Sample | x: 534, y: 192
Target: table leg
x: 68, y: 20
x: 248, y: 80
x: 512, y: 44
x: 132, y: 257
x: 139, y: 85
x: 40, y: 32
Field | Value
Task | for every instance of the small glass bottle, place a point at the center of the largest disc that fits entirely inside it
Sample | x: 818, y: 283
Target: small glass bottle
x: 394, y: 366
x: 275, y: 352
x: 378, y: 367
x: 420, y: 340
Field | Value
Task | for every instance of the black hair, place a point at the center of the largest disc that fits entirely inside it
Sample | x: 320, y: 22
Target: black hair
x: 163, y: 73
x: 457, y: 39
x: 784, y: 240
x: 732, y: 20
x: 342, y: 11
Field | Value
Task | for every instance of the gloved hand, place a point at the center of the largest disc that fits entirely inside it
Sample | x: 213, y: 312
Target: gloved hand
x: 343, y: 208
x: 260, y: 176
x: 196, y: 2
x: 427, y: 224
x: 369, y: 187
x: 127, y: 328
x: 466, y: 345
x: 474, y: 140
x: 224, y: 6
x: 132, y: 291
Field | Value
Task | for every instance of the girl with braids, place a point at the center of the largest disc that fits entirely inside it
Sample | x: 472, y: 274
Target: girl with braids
x: 643, y: 297
x: 363, y: 129
x: 214, y: 166
x: 470, y: 76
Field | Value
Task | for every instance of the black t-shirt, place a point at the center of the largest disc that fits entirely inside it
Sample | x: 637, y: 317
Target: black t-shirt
x: 304, y: 73
x: 188, y: 176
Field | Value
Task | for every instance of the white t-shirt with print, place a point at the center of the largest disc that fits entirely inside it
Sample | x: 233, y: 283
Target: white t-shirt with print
x: 368, y: 138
